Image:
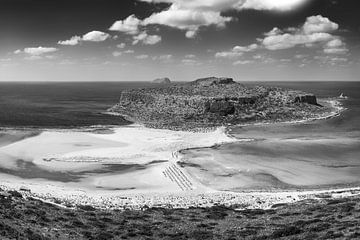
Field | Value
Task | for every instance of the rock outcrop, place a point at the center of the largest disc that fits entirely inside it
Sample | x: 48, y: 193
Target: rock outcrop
x: 306, y: 98
x: 210, y: 102
x: 162, y: 80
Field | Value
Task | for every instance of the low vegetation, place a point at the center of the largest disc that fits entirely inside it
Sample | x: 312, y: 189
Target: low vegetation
x: 321, y: 219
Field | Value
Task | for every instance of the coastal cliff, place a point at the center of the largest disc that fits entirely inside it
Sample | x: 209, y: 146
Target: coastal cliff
x: 212, y: 102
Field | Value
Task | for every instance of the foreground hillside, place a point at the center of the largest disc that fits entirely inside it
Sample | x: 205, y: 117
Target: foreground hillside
x: 212, y: 102
x: 321, y: 219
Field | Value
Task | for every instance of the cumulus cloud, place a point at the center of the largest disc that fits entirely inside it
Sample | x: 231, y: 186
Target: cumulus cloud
x: 93, y: 36
x: 190, y: 15
x: 191, y: 62
x: 75, y: 40
x: 116, y: 53
x: 287, y: 40
x: 236, y: 51
x: 121, y: 45
x: 36, y: 51
x: 190, y: 56
x: 165, y: 57
x: 335, y: 46
x: 242, y: 62
x: 315, y: 30
x: 222, y: 5
x: 130, y: 25
x: 189, y: 20
x: 277, y: 5
x: 316, y: 24
x: 146, y: 39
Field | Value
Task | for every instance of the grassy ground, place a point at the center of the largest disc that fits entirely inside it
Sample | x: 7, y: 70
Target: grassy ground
x: 33, y: 219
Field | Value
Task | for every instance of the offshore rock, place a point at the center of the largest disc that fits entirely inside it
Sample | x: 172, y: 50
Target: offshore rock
x: 162, y: 80
x: 212, y: 102
x: 213, y: 81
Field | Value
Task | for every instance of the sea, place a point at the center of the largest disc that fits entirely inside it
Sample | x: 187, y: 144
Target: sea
x: 316, y: 154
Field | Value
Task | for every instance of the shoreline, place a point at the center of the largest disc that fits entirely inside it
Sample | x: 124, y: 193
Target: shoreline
x: 200, y: 197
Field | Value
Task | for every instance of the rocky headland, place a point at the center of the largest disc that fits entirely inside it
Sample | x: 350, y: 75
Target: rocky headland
x: 212, y: 102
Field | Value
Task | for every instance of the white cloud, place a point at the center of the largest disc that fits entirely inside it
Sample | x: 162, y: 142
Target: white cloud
x: 248, y: 48
x: 278, y: 5
x: 75, y: 40
x: 335, y: 50
x: 242, y: 62
x: 315, y: 30
x: 189, y: 20
x: 191, y: 62
x: 121, y: 45
x: 37, y: 51
x: 222, y: 5
x: 130, y: 25
x: 146, y: 39
x: 116, y: 53
x: 190, y: 56
x: 228, y: 54
x: 190, y: 15
x: 95, y: 36
x: 165, y: 57
x: 287, y: 40
x: 237, y: 51
x: 18, y: 51
x: 331, y: 60
x: 129, y: 51
x: 317, y: 24
x: 143, y: 56
x: 335, y: 46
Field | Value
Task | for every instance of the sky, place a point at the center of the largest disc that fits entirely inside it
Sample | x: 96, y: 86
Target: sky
x: 140, y: 40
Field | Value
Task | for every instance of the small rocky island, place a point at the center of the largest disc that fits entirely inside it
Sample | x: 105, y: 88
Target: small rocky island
x: 212, y: 102
x: 164, y: 80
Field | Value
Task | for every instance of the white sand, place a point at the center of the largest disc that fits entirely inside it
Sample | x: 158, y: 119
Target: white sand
x: 79, y: 151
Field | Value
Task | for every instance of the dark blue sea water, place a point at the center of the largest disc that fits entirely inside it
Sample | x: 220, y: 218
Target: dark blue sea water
x: 52, y: 105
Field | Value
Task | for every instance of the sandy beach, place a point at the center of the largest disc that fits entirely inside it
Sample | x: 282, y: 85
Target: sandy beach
x: 153, y: 153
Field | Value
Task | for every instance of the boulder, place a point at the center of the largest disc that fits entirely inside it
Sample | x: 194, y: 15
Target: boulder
x: 164, y: 80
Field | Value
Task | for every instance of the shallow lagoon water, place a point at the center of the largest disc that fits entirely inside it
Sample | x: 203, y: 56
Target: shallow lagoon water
x: 318, y: 154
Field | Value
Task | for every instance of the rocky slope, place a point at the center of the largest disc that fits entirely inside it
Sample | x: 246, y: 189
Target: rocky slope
x: 324, y: 218
x: 211, y: 102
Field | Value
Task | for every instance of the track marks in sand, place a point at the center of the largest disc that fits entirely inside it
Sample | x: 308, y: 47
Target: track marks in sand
x: 177, y: 176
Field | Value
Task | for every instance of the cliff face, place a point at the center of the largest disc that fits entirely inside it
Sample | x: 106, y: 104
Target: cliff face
x: 306, y: 98
x: 209, y: 102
